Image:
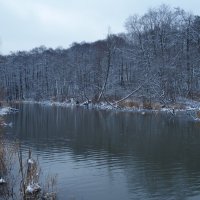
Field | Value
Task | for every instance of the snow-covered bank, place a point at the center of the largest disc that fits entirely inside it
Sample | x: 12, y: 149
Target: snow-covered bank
x: 88, y: 105
x: 182, y: 109
x: 7, y: 110
x: 182, y: 105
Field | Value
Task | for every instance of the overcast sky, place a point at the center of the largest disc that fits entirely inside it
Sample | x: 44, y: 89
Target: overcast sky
x: 25, y: 24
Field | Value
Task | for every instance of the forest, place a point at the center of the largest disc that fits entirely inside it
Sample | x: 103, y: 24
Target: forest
x: 157, y: 59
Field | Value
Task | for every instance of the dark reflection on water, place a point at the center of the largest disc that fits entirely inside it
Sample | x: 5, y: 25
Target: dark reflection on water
x: 113, y: 155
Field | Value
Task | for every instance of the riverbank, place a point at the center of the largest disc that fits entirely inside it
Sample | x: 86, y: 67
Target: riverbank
x: 128, y: 105
x: 25, y: 184
x: 182, y: 105
x: 7, y: 110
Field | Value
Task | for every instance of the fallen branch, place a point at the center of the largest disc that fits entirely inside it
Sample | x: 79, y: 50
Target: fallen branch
x: 134, y: 91
x: 126, y: 97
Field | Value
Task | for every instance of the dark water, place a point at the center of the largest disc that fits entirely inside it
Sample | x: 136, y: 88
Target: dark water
x: 103, y: 155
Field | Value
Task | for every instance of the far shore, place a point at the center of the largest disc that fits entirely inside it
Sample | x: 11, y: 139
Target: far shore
x: 182, y: 105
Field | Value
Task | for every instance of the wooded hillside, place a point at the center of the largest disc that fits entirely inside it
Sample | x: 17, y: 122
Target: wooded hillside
x: 158, y: 56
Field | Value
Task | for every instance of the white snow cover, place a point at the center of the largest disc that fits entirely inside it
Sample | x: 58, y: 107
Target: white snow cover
x: 190, y: 107
x: 8, y: 125
x: 6, y: 110
x: 31, y: 188
x: 189, y: 104
x: 30, y: 161
x: 2, y: 181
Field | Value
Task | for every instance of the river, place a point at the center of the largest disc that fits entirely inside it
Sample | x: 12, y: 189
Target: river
x: 111, y: 155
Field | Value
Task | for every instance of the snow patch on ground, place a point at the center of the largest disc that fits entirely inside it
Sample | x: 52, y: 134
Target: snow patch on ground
x: 8, y: 124
x: 30, y: 161
x: 2, y: 181
x: 33, y: 188
x: 51, y: 103
x: 4, y: 111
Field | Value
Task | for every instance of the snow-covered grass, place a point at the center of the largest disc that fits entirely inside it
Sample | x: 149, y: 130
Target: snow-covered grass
x: 4, y: 111
x: 2, y: 181
x: 180, y: 105
x: 30, y: 161
x: 189, y: 104
x: 51, y: 103
x: 33, y: 188
x: 7, y: 110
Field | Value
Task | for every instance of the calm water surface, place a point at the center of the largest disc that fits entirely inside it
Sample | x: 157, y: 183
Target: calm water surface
x: 107, y: 155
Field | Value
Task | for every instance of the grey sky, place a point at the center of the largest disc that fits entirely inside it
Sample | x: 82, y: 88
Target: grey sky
x: 26, y: 24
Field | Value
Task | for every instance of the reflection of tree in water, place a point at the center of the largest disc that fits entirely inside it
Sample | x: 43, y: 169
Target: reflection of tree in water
x: 158, y: 155
x: 164, y: 158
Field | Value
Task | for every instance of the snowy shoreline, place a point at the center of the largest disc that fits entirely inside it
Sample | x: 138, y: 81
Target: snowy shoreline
x: 189, y: 107
x: 7, y: 110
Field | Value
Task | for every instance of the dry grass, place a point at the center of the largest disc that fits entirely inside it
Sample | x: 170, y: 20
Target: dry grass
x: 2, y: 158
x: 198, y: 114
x: 7, y: 160
x: 110, y: 98
x: 49, y: 188
x: 3, y: 103
x: 137, y: 105
x: 147, y: 105
x: 1, y: 122
x: 156, y: 106
x: 177, y: 106
x: 129, y: 104
x: 29, y: 174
